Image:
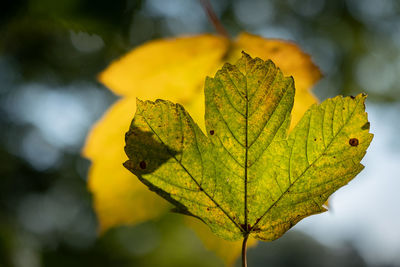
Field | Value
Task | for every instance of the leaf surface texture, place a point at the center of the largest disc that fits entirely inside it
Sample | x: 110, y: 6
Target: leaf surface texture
x: 246, y: 175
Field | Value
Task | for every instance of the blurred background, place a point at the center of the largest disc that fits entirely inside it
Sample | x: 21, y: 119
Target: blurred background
x: 50, y: 54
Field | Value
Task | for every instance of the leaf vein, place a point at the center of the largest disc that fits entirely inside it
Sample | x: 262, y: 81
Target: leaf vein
x: 301, y: 175
x: 191, y: 176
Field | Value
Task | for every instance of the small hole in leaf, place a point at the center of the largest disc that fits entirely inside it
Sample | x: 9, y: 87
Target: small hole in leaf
x: 212, y: 132
x: 353, y: 142
x: 142, y: 165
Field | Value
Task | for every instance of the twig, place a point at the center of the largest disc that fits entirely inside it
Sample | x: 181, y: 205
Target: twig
x: 244, y: 251
x: 213, y: 18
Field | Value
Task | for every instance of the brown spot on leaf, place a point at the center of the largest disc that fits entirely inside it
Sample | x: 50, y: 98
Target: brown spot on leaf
x: 142, y: 165
x: 353, y: 142
x: 212, y: 132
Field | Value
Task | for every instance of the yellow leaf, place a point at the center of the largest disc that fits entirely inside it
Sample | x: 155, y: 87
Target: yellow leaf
x: 147, y: 71
x: 119, y: 197
x: 173, y: 69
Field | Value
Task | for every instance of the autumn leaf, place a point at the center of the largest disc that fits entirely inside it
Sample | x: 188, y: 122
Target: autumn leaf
x: 173, y: 69
x: 246, y: 175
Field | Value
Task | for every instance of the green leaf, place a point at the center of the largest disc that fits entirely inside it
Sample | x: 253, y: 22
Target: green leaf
x: 247, y: 176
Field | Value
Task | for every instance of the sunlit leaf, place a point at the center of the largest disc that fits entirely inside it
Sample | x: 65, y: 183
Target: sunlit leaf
x: 290, y: 59
x: 173, y: 69
x: 246, y: 175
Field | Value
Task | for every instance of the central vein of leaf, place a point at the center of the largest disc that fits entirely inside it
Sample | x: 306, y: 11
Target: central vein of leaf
x: 245, y: 163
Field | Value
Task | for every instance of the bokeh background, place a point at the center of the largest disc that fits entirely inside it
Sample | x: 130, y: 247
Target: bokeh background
x: 50, y: 54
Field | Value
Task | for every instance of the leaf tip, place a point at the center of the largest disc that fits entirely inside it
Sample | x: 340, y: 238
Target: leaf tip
x: 325, y: 207
x: 363, y: 96
x: 245, y: 55
x: 139, y: 103
x: 128, y: 164
x: 366, y: 126
x: 291, y: 78
x: 208, y: 79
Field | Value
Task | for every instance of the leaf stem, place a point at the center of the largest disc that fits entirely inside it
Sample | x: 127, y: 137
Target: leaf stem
x: 213, y: 18
x: 244, y: 251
